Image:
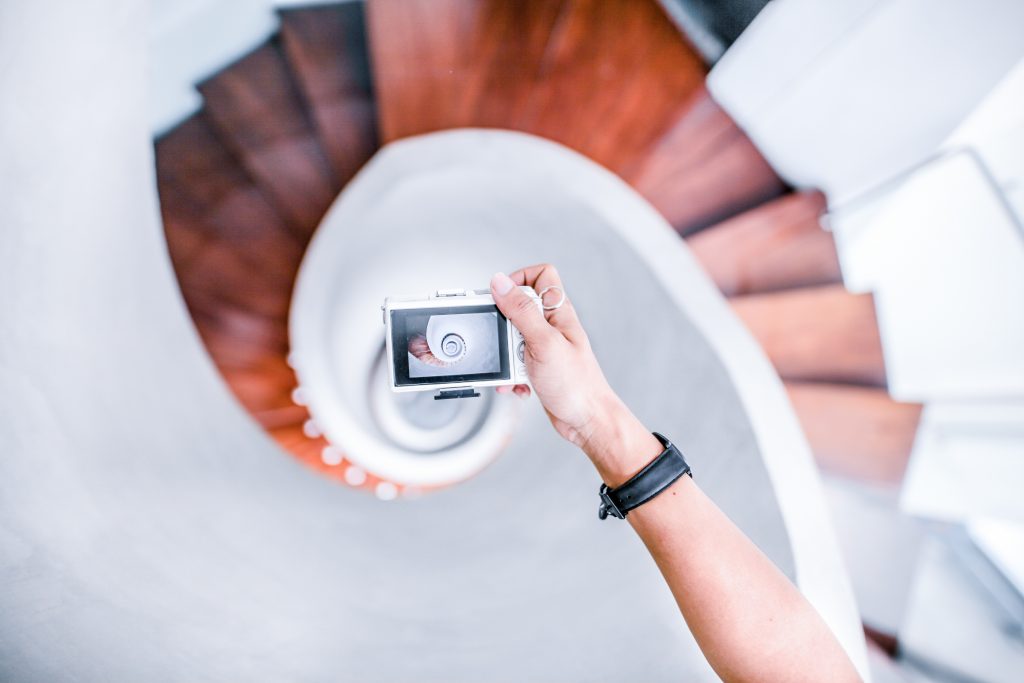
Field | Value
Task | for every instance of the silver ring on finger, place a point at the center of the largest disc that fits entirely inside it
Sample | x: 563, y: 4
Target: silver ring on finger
x: 554, y: 306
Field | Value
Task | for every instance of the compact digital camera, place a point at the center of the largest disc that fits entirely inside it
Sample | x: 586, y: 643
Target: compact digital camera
x: 452, y: 341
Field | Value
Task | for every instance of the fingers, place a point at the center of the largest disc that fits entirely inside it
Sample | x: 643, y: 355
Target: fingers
x: 522, y: 311
x: 520, y: 390
x: 564, y: 317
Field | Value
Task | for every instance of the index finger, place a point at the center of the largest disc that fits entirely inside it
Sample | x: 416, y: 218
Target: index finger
x: 563, y: 318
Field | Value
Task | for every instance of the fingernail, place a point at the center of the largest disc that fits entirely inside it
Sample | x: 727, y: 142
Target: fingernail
x: 502, y: 284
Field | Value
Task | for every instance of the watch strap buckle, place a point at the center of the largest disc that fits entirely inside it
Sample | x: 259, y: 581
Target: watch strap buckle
x: 654, y: 478
x: 608, y: 506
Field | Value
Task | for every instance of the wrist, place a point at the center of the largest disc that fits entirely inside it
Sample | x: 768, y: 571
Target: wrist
x: 617, y: 443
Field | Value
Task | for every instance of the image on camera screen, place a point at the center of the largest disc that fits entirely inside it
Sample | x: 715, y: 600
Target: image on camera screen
x: 449, y: 345
x: 452, y: 344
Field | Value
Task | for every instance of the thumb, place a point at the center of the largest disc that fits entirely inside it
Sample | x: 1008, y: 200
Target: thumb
x: 520, y: 309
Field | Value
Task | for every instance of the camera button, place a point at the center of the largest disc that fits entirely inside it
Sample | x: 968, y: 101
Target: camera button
x: 521, y: 351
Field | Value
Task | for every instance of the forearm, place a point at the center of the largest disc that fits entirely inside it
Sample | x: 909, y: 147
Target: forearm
x: 749, y: 620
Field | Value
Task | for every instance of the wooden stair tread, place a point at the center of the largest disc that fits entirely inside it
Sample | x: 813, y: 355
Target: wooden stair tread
x: 238, y: 338
x: 275, y: 418
x: 856, y: 432
x: 699, y: 127
x: 605, y: 78
x: 219, y: 276
x: 275, y: 378
x: 266, y: 401
x: 625, y: 70
x: 206, y: 196
x: 704, y: 169
x: 505, y: 55
x: 326, y: 48
x: 778, y: 245
x: 440, y: 64
x: 817, y: 333
x: 228, y: 246
x: 252, y: 364
x: 236, y: 262
x: 258, y: 113
x: 294, y: 440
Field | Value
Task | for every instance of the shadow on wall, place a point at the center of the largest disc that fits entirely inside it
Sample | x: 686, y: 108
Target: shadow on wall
x: 713, y: 26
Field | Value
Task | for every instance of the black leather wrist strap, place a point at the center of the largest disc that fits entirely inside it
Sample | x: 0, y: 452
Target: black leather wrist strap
x: 657, y: 476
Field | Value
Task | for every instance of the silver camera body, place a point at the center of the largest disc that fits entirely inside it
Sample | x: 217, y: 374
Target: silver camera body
x: 453, y: 340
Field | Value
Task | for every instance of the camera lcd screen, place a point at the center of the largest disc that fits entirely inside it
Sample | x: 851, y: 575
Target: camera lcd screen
x: 449, y: 345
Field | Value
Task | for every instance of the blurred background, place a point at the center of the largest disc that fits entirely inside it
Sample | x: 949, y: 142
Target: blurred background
x: 848, y: 175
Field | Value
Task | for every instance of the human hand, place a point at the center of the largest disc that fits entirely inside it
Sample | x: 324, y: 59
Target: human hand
x: 699, y: 551
x: 566, y: 376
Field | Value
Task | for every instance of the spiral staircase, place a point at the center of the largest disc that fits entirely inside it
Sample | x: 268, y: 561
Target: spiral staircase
x: 244, y: 182
x: 141, y: 506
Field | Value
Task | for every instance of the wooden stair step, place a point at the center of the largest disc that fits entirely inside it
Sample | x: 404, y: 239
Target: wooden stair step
x: 505, y: 54
x: 265, y: 388
x: 440, y: 64
x: 605, y: 78
x: 263, y: 385
x: 704, y: 169
x: 219, y: 276
x: 817, y: 333
x: 615, y: 76
x: 266, y: 396
x: 241, y: 339
x: 221, y: 272
x: 276, y: 418
x: 699, y: 127
x: 207, y: 199
x: 292, y: 439
x: 856, y: 432
x: 236, y: 262
x: 270, y: 410
x: 257, y: 111
x: 326, y: 48
x: 778, y: 245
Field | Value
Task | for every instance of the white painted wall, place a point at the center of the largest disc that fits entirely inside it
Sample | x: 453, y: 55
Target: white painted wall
x: 843, y: 94
x: 190, y: 40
